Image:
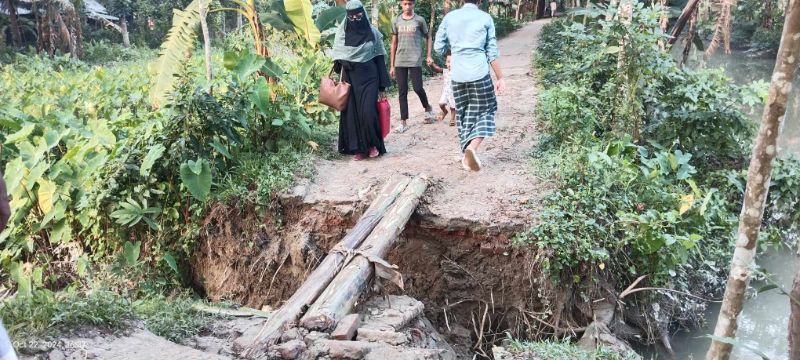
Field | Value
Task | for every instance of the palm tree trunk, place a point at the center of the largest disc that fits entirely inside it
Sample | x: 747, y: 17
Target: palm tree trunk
x: 758, y: 179
x: 16, y: 34
x: 40, y: 29
x: 687, y: 12
x: 67, y: 45
x: 446, y: 6
x: 206, y: 38
x: 123, y: 26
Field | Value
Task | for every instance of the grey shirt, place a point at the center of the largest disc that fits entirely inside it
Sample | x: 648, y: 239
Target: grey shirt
x: 410, y: 35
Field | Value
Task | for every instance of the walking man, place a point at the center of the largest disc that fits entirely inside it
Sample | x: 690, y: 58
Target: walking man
x: 469, y: 34
x: 408, y: 30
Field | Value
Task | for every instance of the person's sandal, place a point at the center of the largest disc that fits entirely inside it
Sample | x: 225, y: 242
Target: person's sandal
x: 452, y: 122
x: 400, y: 128
x: 373, y: 152
x: 441, y: 116
x: 358, y: 157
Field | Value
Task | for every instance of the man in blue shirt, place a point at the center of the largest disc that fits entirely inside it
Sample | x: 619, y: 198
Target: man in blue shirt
x: 469, y: 34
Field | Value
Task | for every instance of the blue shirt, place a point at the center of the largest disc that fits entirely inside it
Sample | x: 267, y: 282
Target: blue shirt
x: 469, y: 34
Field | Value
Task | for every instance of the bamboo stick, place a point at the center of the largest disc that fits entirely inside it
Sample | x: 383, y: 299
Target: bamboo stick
x: 327, y: 269
x: 339, y: 298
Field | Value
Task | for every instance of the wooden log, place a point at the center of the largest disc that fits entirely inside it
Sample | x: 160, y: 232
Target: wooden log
x: 327, y: 269
x: 346, y: 330
x: 339, y: 298
x: 686, y: 14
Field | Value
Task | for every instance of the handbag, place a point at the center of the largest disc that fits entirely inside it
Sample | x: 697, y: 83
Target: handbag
x: 334, y: 93
x: 384, y: 115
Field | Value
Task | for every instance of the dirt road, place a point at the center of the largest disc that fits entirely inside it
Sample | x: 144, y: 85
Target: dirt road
x: 493, y: 196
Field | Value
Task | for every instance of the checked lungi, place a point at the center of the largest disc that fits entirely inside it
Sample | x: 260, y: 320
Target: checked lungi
x: 476, y: 106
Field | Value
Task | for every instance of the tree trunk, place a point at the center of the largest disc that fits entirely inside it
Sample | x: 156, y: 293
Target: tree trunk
x: 446, y: 7
x: 766, y: 19
x: 341, y: 2
x: 689, y: 40
x: 316, y: 283
x: 67, y: 44
x: 758, y: 179
x: 794, y: 319
x: 519, y: 8
x: 687, y: 12
x: 123, y: 26
x: 340, y: 296
x: 375, y: 12
x: 206, y: 38
x: 239, y: 20
x: 40, y: 29
x: 16, y: 34
x: 663, y: 22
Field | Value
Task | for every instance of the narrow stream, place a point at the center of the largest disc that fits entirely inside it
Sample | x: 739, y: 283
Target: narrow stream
x: 764, y: 320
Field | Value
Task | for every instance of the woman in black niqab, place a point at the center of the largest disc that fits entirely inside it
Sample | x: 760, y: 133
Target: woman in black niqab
x: 358, y: 52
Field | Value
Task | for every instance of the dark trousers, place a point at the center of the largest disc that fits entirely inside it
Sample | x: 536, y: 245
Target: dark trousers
x: 402, y: 86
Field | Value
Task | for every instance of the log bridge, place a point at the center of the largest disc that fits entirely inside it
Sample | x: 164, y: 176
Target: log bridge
x: 331, y: 291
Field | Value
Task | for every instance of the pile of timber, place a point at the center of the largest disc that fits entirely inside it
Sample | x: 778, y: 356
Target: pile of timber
x: 331, y: 291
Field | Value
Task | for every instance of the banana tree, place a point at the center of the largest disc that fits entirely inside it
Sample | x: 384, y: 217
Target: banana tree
x: 182, y: 37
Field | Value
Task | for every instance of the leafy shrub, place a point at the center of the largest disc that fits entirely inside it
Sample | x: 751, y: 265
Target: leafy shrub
x: 104, y: 52
x: 647, y: 95
x: 173, y: 319
x: 632, y: 212
x: 626, y: 206
x: 90, y: 165
x: 504, y: 25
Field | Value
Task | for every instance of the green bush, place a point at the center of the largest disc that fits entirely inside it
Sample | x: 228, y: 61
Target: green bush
x: 47, y: 313
x: 634, y: 213
x: 646, y: 95
x: 647, y: 158
x: 89, y: 164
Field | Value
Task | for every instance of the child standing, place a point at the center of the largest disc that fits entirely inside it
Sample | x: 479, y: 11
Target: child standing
x: 408, y: 32
x: 447, y: 101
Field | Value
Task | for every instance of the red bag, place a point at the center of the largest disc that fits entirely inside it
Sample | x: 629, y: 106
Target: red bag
x: 384, y: 114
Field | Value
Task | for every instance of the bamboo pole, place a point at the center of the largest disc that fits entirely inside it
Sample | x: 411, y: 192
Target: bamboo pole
x: 327, y: 269
x: 339, y: 298
x: 758, y: 179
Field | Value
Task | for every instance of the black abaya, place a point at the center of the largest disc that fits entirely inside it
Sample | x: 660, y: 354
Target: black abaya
x: 359, y: 128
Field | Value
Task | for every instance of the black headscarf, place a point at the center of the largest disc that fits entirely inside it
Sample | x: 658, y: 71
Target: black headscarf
x: 359, y: 31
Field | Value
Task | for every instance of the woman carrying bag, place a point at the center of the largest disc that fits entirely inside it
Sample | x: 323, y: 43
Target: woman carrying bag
x: 358, y: 55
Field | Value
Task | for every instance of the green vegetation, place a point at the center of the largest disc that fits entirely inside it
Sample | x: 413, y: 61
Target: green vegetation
x: 109, y: 194
x: 648, y: 158
x: 51, y: 314
x: 563, y: 350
